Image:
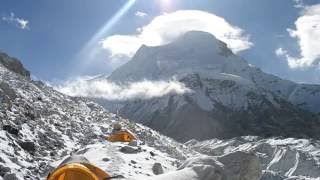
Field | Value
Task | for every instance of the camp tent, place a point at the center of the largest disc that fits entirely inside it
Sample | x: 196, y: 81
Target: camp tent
x: 77, y: 168
x: 121, y: 136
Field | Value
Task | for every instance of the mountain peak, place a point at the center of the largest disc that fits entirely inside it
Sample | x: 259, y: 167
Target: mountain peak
x: 192, y: 52
x: 196, y: 36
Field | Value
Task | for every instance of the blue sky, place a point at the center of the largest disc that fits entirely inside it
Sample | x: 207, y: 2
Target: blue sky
x: 60, y: 39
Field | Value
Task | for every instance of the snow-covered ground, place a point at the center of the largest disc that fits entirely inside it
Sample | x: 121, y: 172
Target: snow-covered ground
x: 137, y: 165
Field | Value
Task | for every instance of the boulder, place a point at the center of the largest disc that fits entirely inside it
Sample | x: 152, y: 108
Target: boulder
x: 11, y: 129
x: 117, y: 126
x: 8, y: 91
x: 133, y: 143
x: 106, y: 159
x: 4, y: 170
x: 241, y: 166
x: 5, y: 102
x: 28, y: 146
x: 157, y: 169
x: 129, y: 150
x: 10, y: 177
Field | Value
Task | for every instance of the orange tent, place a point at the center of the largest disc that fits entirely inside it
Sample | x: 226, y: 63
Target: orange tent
x: 77, y: 168
x: 121, y: 136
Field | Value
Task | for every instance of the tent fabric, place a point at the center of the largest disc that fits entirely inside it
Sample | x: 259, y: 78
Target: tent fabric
x: 77, y: 168
x: 121, y: 136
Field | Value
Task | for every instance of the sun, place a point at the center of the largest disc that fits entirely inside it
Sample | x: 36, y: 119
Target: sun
x: 164, y: 4
x: 165, y: 1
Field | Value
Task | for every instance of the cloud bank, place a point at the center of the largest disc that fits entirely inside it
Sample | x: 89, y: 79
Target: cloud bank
x: 112, y: 91
x: 19, y: 22
x: 307, y: 33
x: 167, y: 27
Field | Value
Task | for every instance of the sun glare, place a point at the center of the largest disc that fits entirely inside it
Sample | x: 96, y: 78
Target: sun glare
x: 164, y: 3
x: 89, y: 50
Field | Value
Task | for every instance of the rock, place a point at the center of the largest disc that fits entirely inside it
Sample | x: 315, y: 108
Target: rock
x: 269, y: 175
x: 152, y: 153
x: 8, y: 91
x: 241, y: 166
x: 105, y: 159
x: 157, y: 169
x: 11, y: 129
x: 53, y: 153
x: 4, y: 170
x: 10, y: 177
x: 30, y: 112
x: 5, y: 102
x: 28, y: 146
x: 133, y: 143
x: 129, y: 150
x: 14, y: 65
x: 133, y: 162
x: 118, y: 177
x: 42, y: 165
x: 117, y: 126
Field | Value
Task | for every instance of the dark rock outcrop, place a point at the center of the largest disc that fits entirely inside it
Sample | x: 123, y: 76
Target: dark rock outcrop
x: 11, y: 129
x: 13, y: 65
x: 28, y: 146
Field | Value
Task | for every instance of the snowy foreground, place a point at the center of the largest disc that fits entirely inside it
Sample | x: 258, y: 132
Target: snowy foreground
x: 40, y: 127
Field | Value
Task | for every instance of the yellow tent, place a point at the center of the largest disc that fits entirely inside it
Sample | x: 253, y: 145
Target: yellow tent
x: 121, y: 136
x: 77, y: 168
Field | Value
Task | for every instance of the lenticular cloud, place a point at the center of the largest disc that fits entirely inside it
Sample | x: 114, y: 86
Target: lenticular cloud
x: 163, y: 29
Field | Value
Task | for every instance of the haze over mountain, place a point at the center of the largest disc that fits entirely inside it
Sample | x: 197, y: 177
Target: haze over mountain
x: 228, y: 96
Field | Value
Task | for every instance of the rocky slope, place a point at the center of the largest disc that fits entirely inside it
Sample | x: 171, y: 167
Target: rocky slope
x: 229, y: 97
x: 40, y: 126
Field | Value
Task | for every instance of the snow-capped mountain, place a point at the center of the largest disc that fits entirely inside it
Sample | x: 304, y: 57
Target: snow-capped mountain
x: 40, y: 127
x: 229, y: 97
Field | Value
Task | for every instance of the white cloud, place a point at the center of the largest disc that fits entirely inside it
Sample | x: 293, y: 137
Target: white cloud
x: 121, y: 45
x: 167, y: 27
x: 307, y: 32
x: 141, y: 14
x: 298, y: 4
x: 280, y: 52
x: 19, y: 22
x: 111, y: 91
x: 23, y: 24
